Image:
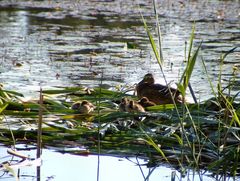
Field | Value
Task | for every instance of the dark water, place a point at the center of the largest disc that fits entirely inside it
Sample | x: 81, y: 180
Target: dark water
x: 69, y: 43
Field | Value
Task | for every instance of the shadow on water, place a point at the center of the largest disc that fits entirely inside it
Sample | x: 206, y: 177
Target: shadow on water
x: 50, y: 44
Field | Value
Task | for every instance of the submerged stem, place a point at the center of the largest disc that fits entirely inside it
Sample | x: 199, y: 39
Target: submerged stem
x: 39, y: 133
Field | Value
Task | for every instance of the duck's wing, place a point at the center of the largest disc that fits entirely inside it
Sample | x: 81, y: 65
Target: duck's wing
x: 164, y: 89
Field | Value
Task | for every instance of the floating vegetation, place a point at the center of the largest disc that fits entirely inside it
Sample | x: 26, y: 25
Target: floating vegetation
x: 205, y: 136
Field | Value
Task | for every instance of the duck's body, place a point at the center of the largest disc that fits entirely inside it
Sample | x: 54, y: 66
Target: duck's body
x: 144, y: 102
x: 84, y: 107
x: 124, y: 103
x: 157, y: 93
x: 133, y: 107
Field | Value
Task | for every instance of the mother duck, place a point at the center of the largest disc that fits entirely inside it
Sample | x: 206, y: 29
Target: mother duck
x: 157, y: 93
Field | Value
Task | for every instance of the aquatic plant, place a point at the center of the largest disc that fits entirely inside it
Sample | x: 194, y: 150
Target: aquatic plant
x: 158, y: 137
x: 197, y: 146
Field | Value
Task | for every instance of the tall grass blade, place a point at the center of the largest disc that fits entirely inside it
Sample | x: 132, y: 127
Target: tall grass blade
x: 190, y: 67
x: 209, y: 79
x: 151, y: 142
x: 150, y: 37
x: 185, y: 79
x: 230, y: 51
x: 191, y: 42
x: 158, y: 31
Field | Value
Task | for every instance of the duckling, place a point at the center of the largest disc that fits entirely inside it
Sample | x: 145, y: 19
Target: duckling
x: 123, y: 104
x: 157, y: 93
x: 144, y: 102
x: 84, y: 107
x: 134, y: 107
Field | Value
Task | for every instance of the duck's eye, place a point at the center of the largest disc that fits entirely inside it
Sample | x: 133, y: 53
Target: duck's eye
x: 148, y: 76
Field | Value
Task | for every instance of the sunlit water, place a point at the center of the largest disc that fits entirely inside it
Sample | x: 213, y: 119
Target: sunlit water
x: 48, y: 44
x: 60, y: 167
x: 65, y: 44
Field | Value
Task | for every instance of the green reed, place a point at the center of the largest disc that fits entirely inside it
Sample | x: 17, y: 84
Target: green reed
x: 197, y: 148
x: 227, y: 125
x: 182, y: 86
x: 121, y: 134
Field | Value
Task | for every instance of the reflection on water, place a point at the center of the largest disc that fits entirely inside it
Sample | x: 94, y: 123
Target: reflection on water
x: 77, y: 41
x: 60, y: 167
x: 20, y: 47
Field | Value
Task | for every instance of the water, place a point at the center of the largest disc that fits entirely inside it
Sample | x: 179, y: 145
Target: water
x: 66, y: 44
x: 57, y: 166
x: 69, y: 43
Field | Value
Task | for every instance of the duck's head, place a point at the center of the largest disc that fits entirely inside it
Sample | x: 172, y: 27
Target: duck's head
x: 76, y: 105
x: 85, y: 103
x: 144, y: 100
x: 124, y: 100
x: 148, y: 79
x: 131, y: 104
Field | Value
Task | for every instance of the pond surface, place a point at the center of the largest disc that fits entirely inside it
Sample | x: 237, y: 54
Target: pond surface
x: 67, y: 43
x: 47, y: 43
x: 58, y: 166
